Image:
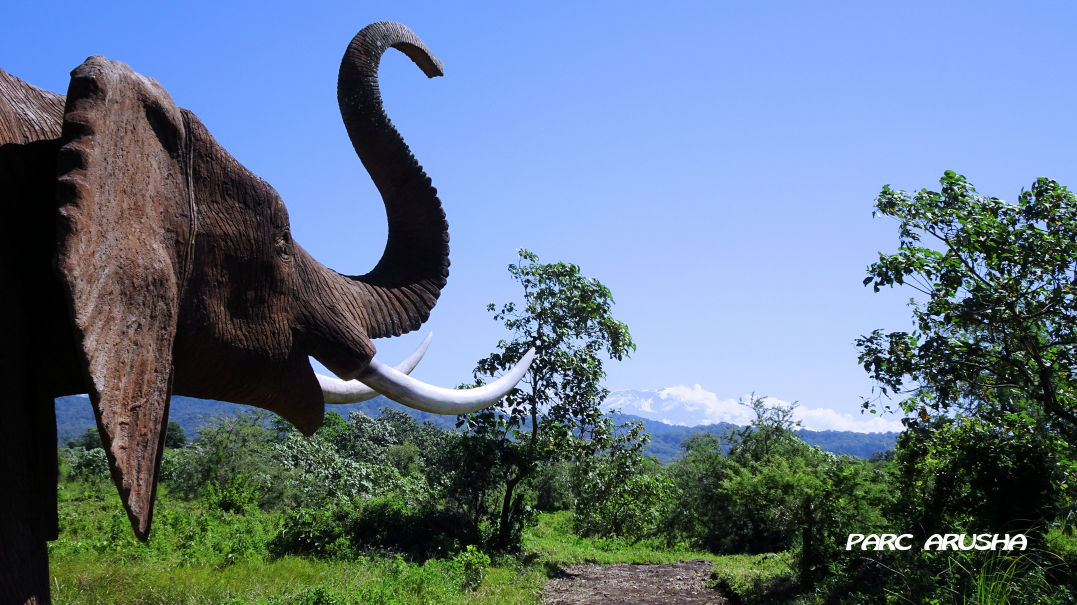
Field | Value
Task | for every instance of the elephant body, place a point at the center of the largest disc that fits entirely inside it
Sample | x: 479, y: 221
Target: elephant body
x: 35, y: 343
x: 139, y: 259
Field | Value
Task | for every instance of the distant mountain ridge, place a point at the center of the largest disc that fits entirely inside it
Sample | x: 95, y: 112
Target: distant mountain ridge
x: 666, y: 439
x: 74, y: 415
x: 694, y: 406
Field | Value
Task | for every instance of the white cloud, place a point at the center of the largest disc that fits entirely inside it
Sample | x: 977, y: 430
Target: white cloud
x: 704, y: 405
x: 824, y: 419
x: 694, y: 405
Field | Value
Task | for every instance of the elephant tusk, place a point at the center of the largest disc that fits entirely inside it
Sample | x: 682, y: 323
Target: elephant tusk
x: 337, y: 391
x: 404, y: 389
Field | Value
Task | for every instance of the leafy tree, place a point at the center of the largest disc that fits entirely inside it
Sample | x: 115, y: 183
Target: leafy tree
x: 619, y: 491
x: 568, y: 319
x: 969, y: 474
x: 761, y: 489
x: 771, y: 430
x: 235, y: 454
x: 88, y: 440
x: 174, y: 435
x: 986, y: 375
x: 996, y: 321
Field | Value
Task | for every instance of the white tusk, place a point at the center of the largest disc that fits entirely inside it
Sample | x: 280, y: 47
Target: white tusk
x: 404, y: 389
x: 335, y: 390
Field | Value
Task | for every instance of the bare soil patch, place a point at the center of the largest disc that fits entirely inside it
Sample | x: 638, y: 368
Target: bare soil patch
x: 591, y: 584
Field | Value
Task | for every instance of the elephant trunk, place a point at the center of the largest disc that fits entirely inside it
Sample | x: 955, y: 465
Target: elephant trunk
x: 406, y: 282
x: 398, y: 294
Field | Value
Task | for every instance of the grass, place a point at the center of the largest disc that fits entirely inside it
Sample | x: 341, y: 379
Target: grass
x: 748, y: 579
x: 89, y: 580
x: 554, y: 542
x: 197, y: 557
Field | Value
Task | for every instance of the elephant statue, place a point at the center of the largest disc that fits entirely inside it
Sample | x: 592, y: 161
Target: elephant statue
x: 139, y: 260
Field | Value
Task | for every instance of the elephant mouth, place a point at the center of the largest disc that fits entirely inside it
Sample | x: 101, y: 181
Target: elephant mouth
x: 395, y: 383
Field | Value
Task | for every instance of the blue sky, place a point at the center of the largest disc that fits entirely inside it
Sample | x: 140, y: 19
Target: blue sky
x: 713, y: 163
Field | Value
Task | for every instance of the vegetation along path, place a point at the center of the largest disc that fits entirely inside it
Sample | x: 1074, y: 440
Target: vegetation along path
x: 592, y: 584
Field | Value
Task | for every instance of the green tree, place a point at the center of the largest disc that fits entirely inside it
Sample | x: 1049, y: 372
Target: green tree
x: 88, y: 440
x: 619, y: 491
x: 762, y: 489
x: 986, y: 374
x: 174, y: 435
x: 770, y: 430
x: 996, y: 321
x: 556, y: 411
x: 233, y: 456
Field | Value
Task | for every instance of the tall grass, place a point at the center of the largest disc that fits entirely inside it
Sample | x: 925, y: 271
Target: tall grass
x: 198, y: 555
x: 554, y: 541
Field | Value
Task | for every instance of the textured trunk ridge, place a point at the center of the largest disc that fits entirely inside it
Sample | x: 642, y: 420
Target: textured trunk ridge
x: 406, y: 282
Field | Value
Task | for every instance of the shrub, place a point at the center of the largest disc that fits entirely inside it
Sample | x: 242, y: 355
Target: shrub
x: 471, y: 565
x: 344, y: 530
x: 553, y: 487
x: 87, y: 465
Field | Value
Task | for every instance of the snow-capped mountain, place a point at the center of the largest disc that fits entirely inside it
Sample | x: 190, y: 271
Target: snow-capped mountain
x: 694, y: 406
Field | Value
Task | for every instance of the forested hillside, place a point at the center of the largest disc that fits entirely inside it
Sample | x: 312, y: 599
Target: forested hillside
x: 74, y: 416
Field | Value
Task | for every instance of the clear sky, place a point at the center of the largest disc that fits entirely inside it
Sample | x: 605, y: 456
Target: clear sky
x: 713, y: 163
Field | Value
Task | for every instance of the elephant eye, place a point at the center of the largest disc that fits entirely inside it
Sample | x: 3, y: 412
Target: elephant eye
x: 284, y: 245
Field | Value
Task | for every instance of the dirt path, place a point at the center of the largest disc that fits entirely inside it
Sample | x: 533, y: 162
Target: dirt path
x: 591, y: 584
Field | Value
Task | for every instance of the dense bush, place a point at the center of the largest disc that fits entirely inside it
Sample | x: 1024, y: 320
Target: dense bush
x: 619, y: 491
x: 967, y: 475
x: 553, y: 487
x: 85, y: 464
x: 346, y: 530
x: 763, y: 490
x: 231, y: 451
x: 979, y: 476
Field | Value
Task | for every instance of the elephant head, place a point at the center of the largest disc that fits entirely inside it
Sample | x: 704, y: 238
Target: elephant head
x: 177, y: 269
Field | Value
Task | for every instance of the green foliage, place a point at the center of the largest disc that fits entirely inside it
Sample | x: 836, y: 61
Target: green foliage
x: 315, y: 474
x: 86, y: 580
x: 619, y: 491
x: 90, y: 465
x: 174, y: 435
x: 553, y: 486
x: 967, y: 474
x: 555, y: 539
x: 750, y: 579
x: 964, y: 475
x: 999, y: 577
x: 346, y: 530
x: 762, y: 490
x: 183, y: 533
x: 471, y: 564
x: 997, y: 320
x: 89, y: 440
x: 986, y: 377
x: 567, y: 318
x: 234, y: 449
x: 318, y: 532
x: 239, y: 495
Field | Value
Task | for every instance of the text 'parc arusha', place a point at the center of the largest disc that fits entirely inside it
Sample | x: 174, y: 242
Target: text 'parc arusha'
x: 938, y: 542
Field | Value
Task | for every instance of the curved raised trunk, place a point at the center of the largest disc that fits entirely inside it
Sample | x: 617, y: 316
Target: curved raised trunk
x: 406, y: 282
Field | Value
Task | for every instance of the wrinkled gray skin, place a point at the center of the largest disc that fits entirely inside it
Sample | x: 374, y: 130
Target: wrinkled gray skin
x: 139, y: 259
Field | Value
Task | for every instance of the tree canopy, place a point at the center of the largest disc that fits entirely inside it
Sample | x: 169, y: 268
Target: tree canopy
x: 996, y: 312
x: 567, y: 317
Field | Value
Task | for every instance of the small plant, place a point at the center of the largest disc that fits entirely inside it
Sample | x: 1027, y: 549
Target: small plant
x: 471, y: 565
x: 239, y: 495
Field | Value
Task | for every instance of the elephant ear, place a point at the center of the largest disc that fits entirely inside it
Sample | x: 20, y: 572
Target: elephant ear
x: 125, y: 233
